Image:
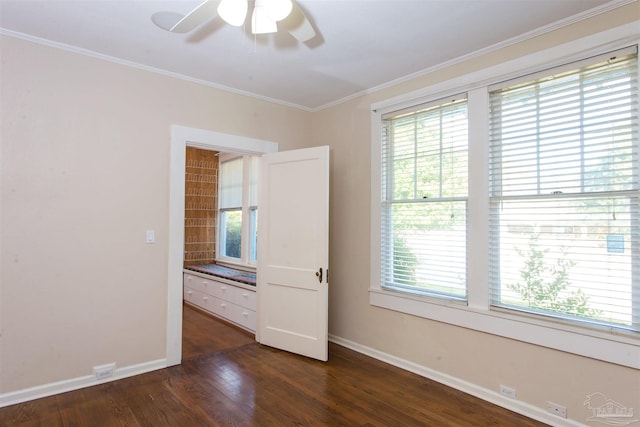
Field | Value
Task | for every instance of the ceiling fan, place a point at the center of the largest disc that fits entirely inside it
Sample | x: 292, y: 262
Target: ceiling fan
x: 266, y: 16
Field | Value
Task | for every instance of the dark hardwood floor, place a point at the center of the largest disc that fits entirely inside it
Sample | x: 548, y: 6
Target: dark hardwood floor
x: 227, y: 379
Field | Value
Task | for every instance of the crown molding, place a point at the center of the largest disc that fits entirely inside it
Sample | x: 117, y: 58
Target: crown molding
x: 501, y: 45
x: 132, y: 64
x: 615, y: 4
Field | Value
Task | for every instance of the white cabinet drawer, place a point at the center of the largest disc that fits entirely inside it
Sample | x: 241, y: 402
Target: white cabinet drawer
x: 200, y: 284
x: 224, y: 291
x: 190, y: 295
x: 222, y: 308
x: 243, y: 317
x: 198, y: 298
x: 234, y: 294
x: 245, y: 298
x: 247, y: 318
x: 234, y: 313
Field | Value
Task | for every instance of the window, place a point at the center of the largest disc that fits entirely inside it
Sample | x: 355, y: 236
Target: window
x: 238, y: 200
x: 424, y: 200
x: 230, y: 212
x: 565, y: 191
x: 543, y: 201
x: 253, y: 209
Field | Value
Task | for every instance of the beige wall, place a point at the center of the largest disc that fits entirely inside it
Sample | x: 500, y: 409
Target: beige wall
x: 85, y: 171
x: 539, y: 374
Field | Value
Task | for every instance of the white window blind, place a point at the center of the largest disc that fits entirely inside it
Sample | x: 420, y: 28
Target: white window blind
x: 254, y: 164
x: 564, y: 235
x: 424, y: 199
x: 231, y: 184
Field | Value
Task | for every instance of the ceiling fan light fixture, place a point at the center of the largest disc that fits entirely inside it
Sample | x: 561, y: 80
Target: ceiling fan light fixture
x: 260, y: 21
x: 233, y: 12
x: 277, y: 10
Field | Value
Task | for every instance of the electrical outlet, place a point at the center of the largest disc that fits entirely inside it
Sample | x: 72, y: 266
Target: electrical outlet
x: 508, y: 391
x: 556, y: 409
x: 104, y: 371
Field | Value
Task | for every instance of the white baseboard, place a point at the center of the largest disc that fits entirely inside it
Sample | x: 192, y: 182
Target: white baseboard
x: 520, y: 407
x: 63, y: 386
x: 494, y: 397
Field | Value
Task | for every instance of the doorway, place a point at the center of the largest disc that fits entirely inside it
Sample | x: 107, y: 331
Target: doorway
x: 181, y: 137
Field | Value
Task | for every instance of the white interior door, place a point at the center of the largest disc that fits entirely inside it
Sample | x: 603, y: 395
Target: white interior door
x: 293, y: 251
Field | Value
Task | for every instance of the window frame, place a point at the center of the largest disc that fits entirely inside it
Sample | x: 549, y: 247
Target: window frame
x: 561, y: 186
x: 390, y: 201
x: 247, y: 210
x: 602, y: 343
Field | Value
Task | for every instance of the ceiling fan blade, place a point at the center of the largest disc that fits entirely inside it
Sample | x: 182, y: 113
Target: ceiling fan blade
x: 298, y: 25
x: 205, y: 11
x: 166, y: 20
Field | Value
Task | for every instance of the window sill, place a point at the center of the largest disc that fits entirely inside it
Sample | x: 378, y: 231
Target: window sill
x: 239, y: 265
x: 609, y: 346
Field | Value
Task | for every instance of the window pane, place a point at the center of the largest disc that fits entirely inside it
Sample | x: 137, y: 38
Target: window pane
x: 572, y: 132
x: 430, y: 153
x: 564, y: 194
x: 231, y: 231
x: 573, y: 256
x: 253, y: 237
x: 424, y: 158
x: 429, y: 247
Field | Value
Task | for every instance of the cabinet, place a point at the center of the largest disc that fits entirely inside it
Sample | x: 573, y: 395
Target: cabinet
x: 232, y: 301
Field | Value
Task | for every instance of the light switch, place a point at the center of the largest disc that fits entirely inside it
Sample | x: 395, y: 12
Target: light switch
x: 151, y: 236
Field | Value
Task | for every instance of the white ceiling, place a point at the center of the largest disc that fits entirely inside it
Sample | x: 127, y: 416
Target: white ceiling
x: 360, y: 44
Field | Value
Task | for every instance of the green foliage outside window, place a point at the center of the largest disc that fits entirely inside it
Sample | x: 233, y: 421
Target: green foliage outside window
x: 404, y: 263
x: 233, y: 234
x: 546, y: 287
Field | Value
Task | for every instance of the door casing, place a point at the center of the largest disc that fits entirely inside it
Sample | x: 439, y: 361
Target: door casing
x: 181, y: 137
